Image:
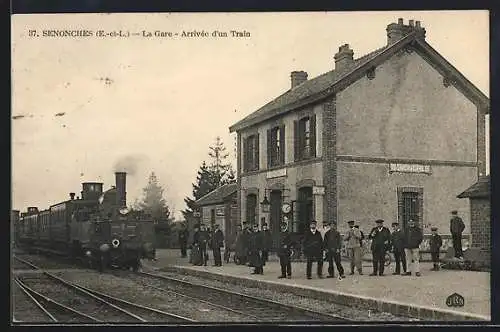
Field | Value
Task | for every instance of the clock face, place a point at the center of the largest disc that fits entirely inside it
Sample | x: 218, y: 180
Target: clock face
x: 286, y: 208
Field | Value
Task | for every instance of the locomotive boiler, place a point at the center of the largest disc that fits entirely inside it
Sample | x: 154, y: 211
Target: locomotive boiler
x: 97, y: 227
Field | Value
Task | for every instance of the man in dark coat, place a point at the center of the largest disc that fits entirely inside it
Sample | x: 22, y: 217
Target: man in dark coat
x: 313, y: 250
x: 267, y: 242
x: 217, y: 243
x: 284, y: 252
x: 412, y: 238
x: 398, y: 248
x: 435, y: 244
x: 202, y: 241
x: 381, y: 237
x: 255, y: 250
x: 457, y: 226
x: 333, y: 244
x: 183, y: 239
x: 362, y: 236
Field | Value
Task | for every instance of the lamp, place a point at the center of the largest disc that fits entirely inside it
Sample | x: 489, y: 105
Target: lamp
x: 265, y: 204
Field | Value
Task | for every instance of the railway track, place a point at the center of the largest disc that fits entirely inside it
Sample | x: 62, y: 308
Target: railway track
x: 75, y: 303
x: 254, y: 308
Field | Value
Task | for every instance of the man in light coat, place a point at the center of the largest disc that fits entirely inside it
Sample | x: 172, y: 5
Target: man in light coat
x: 353, y: 244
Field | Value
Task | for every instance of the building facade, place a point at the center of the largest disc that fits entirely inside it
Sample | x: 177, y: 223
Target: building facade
x: 220, y: 207
x: 394, y: 134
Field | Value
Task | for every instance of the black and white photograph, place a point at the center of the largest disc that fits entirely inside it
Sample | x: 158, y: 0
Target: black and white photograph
x: 315, y: 167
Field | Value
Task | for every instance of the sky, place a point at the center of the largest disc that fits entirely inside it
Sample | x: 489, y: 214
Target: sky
x: 84, y: 107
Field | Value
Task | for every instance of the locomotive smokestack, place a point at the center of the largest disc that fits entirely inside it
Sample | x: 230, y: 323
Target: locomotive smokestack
x: 72, y: 196
x: 121, y: 194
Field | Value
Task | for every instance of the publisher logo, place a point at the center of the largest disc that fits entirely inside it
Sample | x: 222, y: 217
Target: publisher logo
x: 455, y: 300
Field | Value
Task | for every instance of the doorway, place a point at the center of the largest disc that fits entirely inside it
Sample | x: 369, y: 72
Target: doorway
x: 410, y: 206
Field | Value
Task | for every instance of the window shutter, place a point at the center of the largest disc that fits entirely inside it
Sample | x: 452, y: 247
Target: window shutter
x: 296, y: 140
x: 313, y: 136
x: 282, y: 145
x: 245, y: 155
x: 257, y: 148
x: 269, y: 147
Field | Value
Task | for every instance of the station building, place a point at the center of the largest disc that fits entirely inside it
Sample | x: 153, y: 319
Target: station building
x: 395, y: 134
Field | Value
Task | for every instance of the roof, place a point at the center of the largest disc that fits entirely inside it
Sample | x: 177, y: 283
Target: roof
x: 327, y: 84
x: 218, y: 195
x: 480, y: 189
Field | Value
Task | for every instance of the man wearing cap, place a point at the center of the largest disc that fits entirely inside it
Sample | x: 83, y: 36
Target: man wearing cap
x: 353, y: 246
x: 313, y: 250
x: 217, y: 244
x: 255, y: 250
x: 457, y: 226
x: 284, y: 252
x: 267, y: 242
x: 381, y: 237
x: 412, y: 239
x: 333, y: 244
x: 398, y: 248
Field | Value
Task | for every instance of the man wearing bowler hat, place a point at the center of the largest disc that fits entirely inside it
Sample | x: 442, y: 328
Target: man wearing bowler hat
x: 313, y: 249
x: 353, y: 246
x: 397, y: 242
x: 381, y: 237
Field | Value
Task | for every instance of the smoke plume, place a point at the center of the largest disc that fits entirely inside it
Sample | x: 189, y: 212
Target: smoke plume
x: 128, y: 164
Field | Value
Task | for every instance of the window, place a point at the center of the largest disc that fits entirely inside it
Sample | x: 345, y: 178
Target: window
x: 410, y: 205
x: 276, y: 146
x: 251, y: 153
x: 305, y: 138
x: 251, y: 211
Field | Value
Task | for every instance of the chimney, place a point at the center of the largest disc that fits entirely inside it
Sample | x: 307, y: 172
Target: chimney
x: 72, y: 196
x: 396, y: 31
x: 121, y: 194
x: 298, y: 77
x: 344, y: 58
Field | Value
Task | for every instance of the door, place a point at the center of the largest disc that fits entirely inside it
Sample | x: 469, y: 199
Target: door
x: 305, y: 205
x: 275, y: 216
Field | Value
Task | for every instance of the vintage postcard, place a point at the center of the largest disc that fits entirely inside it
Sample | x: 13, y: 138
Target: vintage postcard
x: 264, y: 167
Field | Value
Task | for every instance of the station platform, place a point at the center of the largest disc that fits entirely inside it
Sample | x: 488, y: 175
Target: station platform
x: 421, y: 297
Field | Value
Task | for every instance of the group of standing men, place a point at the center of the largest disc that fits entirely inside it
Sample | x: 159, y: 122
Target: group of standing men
x: 252, y: 246
x: 204, y: 239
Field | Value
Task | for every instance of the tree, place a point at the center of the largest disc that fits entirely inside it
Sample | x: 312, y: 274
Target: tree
x: 210, y: 177
x: 153, y: 201
x: 202, y: 187
x: 221, y: 171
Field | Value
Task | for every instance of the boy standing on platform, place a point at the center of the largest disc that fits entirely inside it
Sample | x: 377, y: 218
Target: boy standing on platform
x: 435, y: 245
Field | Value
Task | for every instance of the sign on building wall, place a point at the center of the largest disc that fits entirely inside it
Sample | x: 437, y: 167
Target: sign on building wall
x: 410, y: 168
x: 219, y: 211
x: 276, y: 173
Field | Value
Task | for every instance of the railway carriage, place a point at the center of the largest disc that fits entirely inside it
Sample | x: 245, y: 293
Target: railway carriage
x: 97, y: 227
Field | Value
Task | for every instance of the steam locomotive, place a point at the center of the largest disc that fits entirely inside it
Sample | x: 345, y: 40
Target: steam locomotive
x: 98, y: 227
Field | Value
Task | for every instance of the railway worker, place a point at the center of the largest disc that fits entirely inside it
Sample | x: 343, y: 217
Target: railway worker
x: 354, y: 240
x: 183, y: 239
x: 313, y: 250
x: 267, y: 242
x: 412, y: 239
x: 435, y: 246
x: 397, y: 242
x: 255, y: 250
x: 203, y: 242
x: 381, y: 237
x: 457, y: 226
x: 333, y: 244
x: 284, y: 252
x: 217, y: 243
